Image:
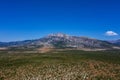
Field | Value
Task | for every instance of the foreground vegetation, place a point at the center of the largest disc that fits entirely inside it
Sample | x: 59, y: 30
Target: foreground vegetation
x: 60, y: 65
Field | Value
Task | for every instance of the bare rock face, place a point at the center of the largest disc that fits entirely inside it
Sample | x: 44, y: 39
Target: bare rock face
x: 58, y: 35
x: 60, y: 40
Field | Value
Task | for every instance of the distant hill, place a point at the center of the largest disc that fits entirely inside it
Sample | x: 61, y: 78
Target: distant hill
x: 60, y: 40
x: 115, y: 42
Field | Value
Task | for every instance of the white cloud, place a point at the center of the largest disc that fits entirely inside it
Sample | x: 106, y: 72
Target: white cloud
x: 111, y: 33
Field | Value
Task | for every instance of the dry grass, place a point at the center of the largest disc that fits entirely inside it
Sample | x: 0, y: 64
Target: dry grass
x: 59, y: 66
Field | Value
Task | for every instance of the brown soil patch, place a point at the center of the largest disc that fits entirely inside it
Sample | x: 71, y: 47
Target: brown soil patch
x: 45, y: 49
x: 3, y: 48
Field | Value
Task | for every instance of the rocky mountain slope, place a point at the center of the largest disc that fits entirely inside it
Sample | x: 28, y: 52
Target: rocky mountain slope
x: 60, y: 40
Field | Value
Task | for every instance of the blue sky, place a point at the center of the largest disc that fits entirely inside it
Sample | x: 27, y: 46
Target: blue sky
x: 31, y: 19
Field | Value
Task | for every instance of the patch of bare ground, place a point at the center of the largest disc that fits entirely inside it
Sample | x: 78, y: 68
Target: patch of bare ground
x: 83, y: 49
x: 45, y: 49
x: 116, y: 47
x: 87, y: 49
x: 3, y: 49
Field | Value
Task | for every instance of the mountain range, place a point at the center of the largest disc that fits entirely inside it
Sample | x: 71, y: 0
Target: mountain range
x: 60, y: 40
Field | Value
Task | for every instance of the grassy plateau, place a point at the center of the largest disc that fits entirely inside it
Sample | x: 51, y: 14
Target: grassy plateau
x: 60, y: 65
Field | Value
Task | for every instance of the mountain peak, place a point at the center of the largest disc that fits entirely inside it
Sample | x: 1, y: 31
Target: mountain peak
x: 58, y: 35
x: 61, y: 40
